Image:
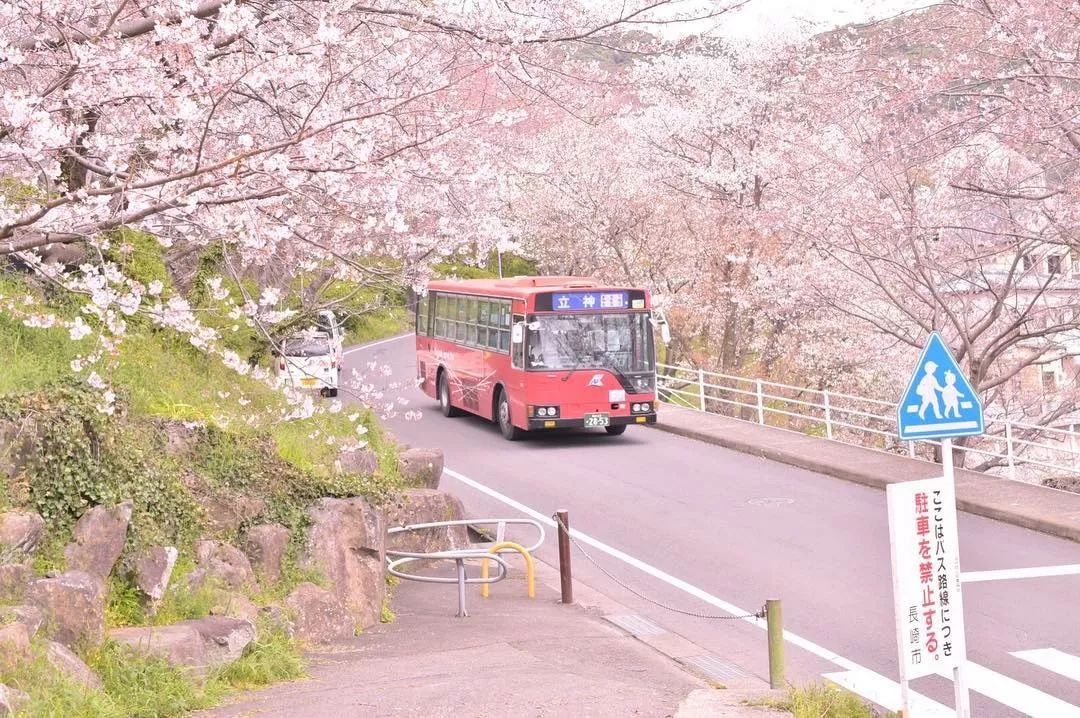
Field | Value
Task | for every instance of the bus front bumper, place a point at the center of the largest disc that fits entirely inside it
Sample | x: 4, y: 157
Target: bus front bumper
x: 538, y: 424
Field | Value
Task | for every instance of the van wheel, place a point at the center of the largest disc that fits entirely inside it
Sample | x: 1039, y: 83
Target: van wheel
x: 615, y: 430
x: 509, y: 431
x: 445, y: 405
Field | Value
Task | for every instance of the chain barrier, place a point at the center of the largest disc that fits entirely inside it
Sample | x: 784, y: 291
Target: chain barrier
x: 642, y: 596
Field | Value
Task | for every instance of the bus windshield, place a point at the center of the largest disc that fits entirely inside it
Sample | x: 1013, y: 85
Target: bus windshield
x: 622, y: 342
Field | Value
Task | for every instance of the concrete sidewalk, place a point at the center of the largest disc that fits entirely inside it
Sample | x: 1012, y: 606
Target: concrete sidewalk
x: 1047, y: 510
x: 513, y: 656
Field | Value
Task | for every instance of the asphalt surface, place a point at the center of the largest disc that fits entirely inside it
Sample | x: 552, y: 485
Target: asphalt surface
x: 745, y: 529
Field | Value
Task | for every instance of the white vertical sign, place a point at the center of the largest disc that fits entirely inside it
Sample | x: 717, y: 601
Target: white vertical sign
x: 926, y: 577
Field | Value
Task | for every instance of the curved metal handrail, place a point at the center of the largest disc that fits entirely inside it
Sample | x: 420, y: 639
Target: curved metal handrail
x: 396, y: 558
x: 500, y: 532
x: 393, y: 570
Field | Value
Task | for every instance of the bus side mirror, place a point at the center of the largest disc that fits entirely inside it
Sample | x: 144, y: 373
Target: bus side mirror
x: 665, y: 333
x: 517, y: 334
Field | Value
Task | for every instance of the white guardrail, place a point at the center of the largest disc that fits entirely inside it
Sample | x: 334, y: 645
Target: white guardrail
x: 1026, y: 452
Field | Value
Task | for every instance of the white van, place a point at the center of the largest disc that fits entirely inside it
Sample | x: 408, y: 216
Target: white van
x: 310, y: 360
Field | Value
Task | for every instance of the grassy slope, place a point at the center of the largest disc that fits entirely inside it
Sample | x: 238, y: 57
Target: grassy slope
x: 160, y: 376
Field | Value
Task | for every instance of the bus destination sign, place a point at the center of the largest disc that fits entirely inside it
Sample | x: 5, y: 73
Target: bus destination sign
x: 585, y: 301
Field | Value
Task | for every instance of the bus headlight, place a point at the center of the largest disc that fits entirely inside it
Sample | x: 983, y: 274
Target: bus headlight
x: 645, y: 406
x: 636, y: 407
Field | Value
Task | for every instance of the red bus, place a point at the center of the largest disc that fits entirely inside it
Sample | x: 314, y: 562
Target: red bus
x: 537, y: 353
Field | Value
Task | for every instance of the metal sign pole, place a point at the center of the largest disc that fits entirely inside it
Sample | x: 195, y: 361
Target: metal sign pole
x: 962, y: 696
x: 894, y: 544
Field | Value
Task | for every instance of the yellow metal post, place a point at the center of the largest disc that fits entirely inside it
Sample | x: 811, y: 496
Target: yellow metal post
x: 530, y: 567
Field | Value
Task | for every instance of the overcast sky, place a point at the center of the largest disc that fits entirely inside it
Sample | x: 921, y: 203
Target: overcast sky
x: 764, y: 19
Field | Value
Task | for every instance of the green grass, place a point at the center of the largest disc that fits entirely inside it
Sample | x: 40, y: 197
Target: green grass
x: 52, y: 695
x: 181, y: 603
x: 272, y: 658
x: 148, y: 687
x: 818, y: 700
x: 134, y: 687
x: 31, y: 357
x: 123, y: 604
x: 379, y: 324
x: 126, y: 606
x: 137, y: 686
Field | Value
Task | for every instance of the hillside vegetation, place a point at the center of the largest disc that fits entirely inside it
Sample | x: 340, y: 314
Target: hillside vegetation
x: 201, y: 451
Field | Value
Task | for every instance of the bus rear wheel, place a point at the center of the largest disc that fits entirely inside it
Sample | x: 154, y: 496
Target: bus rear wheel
x: 509, y: 431
x: 445, y: 405
x: 615, y: 430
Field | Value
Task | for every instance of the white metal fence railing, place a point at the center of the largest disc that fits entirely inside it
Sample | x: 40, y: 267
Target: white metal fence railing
x: 1022, y: 451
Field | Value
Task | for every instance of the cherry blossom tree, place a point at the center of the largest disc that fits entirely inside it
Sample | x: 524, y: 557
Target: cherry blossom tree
x: 307, y: 134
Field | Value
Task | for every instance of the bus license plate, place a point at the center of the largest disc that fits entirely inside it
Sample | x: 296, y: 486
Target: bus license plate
x: 309, y: 382
x: 595, y: 420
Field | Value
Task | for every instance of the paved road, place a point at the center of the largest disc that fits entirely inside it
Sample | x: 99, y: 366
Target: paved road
x: 745, y: 529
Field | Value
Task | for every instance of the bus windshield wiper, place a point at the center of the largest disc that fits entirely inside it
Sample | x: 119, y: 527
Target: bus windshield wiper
x: 623, y: 378
x: 579, y: 358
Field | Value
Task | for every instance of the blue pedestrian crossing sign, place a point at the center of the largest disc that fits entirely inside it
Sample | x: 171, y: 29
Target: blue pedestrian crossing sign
x: 939, y: 402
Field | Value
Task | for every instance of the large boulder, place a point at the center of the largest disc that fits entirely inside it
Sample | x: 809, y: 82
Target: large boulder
x: 153, y: 569
x: 224, y: 562
x: 197, y: 645
x: 361, y: 461
x: 422, y: 468
x: 265, y: 547
x: 12, y: 700
x: 422, y: 506
x: 180, y: 644
x: 234, y: 605
x: 63, y: 660
x: 74, y: 606
x: 318, y: 616
x: 224, y: 638
x: 30, y: 616
x: 226, y: 511
x: 20, y: 534
x: 14, y: 646
x: 15, y: 578
x: 347, y: 544
x: 99, y: 539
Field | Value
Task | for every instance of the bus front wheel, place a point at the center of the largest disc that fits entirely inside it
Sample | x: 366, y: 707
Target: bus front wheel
x: 615, y: 430
x: 509, y: 431
x: 445, y: 405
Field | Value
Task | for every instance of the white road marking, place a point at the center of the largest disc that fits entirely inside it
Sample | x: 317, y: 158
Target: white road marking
x: 1012, y: 573
x: 886, y: 693
x: 1016, y: 695
x: 1052, y: 659
x: 360, y: 347
x: 667, y: 578
x: 858, y: 679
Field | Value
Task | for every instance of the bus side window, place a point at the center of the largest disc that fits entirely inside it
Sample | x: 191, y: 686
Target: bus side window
x: 422, y: 316
x: 517, y: 351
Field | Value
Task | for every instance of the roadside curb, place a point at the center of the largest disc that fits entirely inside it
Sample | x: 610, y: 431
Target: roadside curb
x: 988, y: 496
